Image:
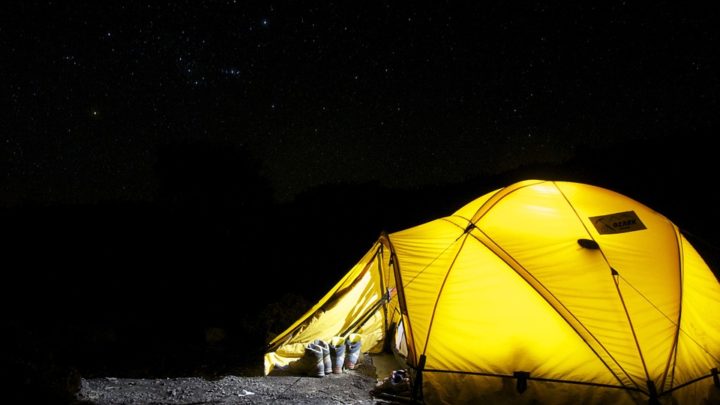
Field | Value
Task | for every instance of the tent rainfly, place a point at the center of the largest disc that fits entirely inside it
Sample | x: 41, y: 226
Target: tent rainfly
x: 538, y: 292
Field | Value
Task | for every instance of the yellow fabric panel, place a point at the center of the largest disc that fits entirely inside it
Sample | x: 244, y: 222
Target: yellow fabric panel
x: 699, y: 342
x: 345, y: 282
x: 648, y: 262
x: 373, y: 333
x: 425, y: 253
x: 453, y: 389
x: 349, y: 300
x: 374, y: 329
x: 655, y: 333
x: 283, y: 356
x: 490, y: 320
x: 391, y: 309
x: 347, y: 309
x: 539, y: 229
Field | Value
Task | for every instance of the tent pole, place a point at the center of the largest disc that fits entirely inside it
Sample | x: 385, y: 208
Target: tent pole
x: 417, y: 384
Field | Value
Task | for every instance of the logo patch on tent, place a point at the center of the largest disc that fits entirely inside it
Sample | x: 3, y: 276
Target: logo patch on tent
x: 620, y: 222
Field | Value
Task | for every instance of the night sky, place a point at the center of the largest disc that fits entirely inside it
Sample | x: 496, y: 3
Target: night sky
x: 314, y: 93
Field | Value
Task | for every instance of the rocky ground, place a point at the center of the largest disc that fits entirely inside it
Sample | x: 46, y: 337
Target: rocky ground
x: 351, y: 387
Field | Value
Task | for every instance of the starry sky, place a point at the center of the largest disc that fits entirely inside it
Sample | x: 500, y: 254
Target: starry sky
x: 316, y: 93
x: 149, y: 150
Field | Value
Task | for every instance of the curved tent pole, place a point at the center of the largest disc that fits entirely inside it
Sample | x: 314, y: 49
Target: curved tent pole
x: 385, y: 239
x: 412, y: 353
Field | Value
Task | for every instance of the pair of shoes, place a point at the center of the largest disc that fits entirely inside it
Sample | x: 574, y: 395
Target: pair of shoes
x: 327, y: 365
x: 316, y: 360
x: 344, y: 352
x: 398, y: 384
x: 313, y: 361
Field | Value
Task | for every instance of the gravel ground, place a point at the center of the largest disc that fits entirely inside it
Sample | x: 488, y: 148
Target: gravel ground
x: 351, y: 387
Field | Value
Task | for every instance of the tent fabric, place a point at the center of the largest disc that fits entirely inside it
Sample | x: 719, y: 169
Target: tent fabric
x: 350, y: 306
x: 539, y: 290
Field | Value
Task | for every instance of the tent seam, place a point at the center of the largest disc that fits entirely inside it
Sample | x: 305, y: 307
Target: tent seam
x: 556, y: 309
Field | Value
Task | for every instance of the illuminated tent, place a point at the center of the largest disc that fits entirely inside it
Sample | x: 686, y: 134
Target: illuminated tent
x: 539, y: 292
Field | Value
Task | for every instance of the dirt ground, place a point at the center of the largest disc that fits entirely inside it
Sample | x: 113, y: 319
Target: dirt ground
x: 350, y: 387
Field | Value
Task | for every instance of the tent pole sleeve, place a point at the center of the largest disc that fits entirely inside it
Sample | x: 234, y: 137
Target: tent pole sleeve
x: 379, y: 257
x: 412, y: 353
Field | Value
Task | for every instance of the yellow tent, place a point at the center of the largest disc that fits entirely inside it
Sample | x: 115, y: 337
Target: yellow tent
x: 539, y: 292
